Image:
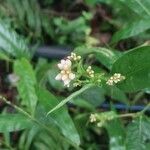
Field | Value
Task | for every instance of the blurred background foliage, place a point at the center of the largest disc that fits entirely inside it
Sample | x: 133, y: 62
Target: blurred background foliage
x: 74, y: 22
x: 46, y: 21
x: 117, y: 25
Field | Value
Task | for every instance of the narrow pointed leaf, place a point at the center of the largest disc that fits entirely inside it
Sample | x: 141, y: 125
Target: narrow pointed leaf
x: 69, y: 98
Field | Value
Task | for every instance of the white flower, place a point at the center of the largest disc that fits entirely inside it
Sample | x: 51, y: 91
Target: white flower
x: 74, y: 57
x: 117, y: 77
x: 90, y: 71
x: 100, y: 124
x: 66, y: 74
x: 64, y: 64
x: 93, y: 118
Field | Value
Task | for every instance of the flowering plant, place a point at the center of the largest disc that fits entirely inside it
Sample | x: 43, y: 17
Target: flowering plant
x: 94, y: 98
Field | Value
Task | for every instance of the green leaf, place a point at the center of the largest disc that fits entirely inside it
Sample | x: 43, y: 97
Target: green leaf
x: 94, y: 96
x: 18, y: 10
x: 11, y: 43
x: 13, y: 122
x: 90, y: 99
x: 137, y: 135
x: 131, y: 30
x: 29, y: 14
x: 116, y: 94
x: 134, y: 65
x: 69, y: 98
x: 82, y: 103
x: 33, y: 15
x: 28, y: 136
x: 105, y: 56
x: 139, y: 6
x: 40, y: 142
x: 26, y: 83
x: 116, y: 135
x: 60, y: 117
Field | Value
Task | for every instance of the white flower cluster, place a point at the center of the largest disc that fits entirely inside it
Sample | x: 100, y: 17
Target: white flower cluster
x: 117, y: 77
x: 66, y: 74
x: 74, y: 57
x: 93, y: 118
x: 90, y: 71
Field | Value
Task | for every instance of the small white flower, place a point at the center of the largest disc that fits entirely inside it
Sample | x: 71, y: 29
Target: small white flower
x: 66, y: 74
x: 100, y: 124
x: 64, y: 64
x: 71, y: 76
x: 90, y: 71
x: 78, y: 57
x: 93, y: 118
x: 117, y: 77
x: 74, y: 57
x: 110, y: 82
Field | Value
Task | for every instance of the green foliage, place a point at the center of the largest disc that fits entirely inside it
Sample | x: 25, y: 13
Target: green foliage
x: 61, y: 117
x: 131, y: 30
x: 106, y: 56
x: 116, y: 93
x: 116, y: 134
x: 29, y: 18
x: 134, y: 66
x: 137, y: 134
x: 13, y: 122
x: 11, y: 44
x: 69, y: 98
x: 137, y: 26
x: 24, y: 11
x: 74, y: 31
x: 138, y: 6
x: 26, y: 83
x: 35, y: 108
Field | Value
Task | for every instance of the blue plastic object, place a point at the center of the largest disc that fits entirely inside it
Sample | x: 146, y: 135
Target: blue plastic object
x: 119, y: 106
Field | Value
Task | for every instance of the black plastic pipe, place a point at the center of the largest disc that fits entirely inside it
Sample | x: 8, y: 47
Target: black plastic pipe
x: 119, y: 106
x: 53, y: 52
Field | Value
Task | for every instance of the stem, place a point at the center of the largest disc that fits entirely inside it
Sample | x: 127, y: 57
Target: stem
x: 137, y: 97
x: 53, y: 133
x: 75, y: 94
x: 146, y: 107
x: 132, y: 115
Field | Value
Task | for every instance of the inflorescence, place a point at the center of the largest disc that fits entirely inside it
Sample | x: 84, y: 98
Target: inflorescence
x: 72, y: 69
x: 117, y: 77
x: 72, y: 66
